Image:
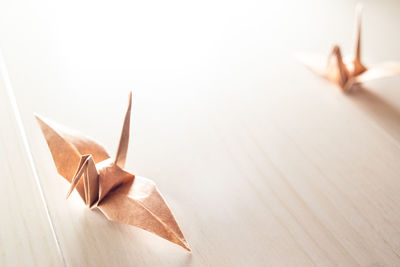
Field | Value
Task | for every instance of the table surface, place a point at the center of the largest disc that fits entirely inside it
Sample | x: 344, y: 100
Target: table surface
x: 261, y: 162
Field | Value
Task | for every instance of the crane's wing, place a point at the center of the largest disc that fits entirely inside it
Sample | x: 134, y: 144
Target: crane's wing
x: 140, y: 204
x: 380, y: 71
x: 67, y: 146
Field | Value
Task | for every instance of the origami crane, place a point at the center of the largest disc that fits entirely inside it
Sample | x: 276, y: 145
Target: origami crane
x: 350, y: 71
x: 118, y: 194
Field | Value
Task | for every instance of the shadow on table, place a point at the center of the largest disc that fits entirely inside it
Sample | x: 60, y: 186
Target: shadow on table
x: 110, y: 243
x: 383, y: 113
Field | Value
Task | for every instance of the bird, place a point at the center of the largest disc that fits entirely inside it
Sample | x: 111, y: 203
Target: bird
x: 350, y: 71
x: 104, y: 184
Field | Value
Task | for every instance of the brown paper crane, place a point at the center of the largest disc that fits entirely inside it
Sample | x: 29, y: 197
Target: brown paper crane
x: 351, y: 71
x: 118, y: 194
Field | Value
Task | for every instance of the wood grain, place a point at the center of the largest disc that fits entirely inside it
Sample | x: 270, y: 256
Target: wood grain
x: 262, y: 163
x: 26, y: 235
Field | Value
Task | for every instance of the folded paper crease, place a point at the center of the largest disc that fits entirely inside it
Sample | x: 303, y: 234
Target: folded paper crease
x: 103, y: 183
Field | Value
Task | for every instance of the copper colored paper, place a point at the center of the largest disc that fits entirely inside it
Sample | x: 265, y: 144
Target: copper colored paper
x: 106, y: 185
x: 346, y: 72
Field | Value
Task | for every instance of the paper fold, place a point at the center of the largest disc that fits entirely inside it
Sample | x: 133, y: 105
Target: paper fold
x: 104, y: 184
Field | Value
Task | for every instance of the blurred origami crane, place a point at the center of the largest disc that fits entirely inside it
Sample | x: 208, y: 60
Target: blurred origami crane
x: 118, y: 194
x: 350, y: 71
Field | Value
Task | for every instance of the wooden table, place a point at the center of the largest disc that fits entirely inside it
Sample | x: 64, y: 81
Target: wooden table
x: 262, y: 163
